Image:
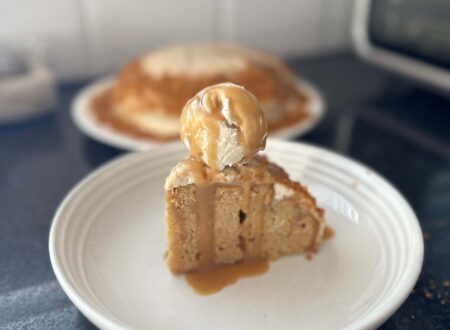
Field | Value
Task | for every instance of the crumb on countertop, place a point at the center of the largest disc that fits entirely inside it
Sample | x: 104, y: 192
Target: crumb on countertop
x: 427, y: 294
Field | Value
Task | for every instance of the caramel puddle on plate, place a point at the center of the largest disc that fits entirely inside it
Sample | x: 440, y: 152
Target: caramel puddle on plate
x: 328, y: 233
x: 213, y: 280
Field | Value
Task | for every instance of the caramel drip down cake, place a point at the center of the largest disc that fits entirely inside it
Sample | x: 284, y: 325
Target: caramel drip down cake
x: 224, y: 203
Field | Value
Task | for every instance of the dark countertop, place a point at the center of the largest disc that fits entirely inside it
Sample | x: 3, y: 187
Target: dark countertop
x: 387, y: 122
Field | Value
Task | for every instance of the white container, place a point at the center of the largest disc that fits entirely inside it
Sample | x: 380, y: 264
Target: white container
x: 27, y: 85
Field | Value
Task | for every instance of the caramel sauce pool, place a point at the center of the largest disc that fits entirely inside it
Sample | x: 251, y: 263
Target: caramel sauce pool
x: 210, y: 281
x: 213, y: 280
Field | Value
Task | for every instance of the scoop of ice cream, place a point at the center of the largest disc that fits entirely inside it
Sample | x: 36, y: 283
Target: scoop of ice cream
x: 223, y: 125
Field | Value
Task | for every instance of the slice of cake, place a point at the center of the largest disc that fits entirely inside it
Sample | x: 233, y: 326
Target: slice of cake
x: 224, y: 204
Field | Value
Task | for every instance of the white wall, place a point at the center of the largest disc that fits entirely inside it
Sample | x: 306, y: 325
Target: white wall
x: 88, y: 37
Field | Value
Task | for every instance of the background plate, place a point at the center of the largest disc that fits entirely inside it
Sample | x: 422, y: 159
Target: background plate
x: 107, y: 244
x: 85, y: 121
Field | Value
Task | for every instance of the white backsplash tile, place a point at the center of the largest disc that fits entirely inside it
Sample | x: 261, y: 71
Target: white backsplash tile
x: 91, y: 37
x: 284, y: 27
x: 120, y: 30
x: 289, y: 27
x: 56, y: 23
x: 335, y: 22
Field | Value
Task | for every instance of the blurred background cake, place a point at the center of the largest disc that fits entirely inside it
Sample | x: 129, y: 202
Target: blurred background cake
x: 149, y: 93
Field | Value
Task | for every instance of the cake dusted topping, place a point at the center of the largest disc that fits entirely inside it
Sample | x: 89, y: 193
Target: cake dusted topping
x: 223, y: 125
x: 282, y: 191
x: 194, y: 61
x: 192, y: 171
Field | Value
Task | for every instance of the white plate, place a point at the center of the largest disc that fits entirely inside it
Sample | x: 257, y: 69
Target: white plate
x: 107, y: 243
x: 86, y: 122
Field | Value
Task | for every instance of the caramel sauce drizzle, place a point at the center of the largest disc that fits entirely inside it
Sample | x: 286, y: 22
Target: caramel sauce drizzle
x: 205, y: 196
x: 197, y: 169
x: 205, y: 224
x: 205, y: 215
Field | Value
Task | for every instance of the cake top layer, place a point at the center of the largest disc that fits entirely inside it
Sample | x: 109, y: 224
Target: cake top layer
x: 193, y: 171
x: 258, y: 171
x: 223, y: 125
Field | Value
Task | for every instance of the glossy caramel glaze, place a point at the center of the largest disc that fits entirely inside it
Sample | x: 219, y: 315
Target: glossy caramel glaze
x: 223, y: 109
x: 215, y: 279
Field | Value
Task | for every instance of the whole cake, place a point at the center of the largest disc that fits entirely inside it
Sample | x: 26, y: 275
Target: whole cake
x: 224, y: 203
x: 147, y: 98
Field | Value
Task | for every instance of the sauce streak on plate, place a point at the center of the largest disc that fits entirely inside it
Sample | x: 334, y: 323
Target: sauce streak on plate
x: 213, y: 280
